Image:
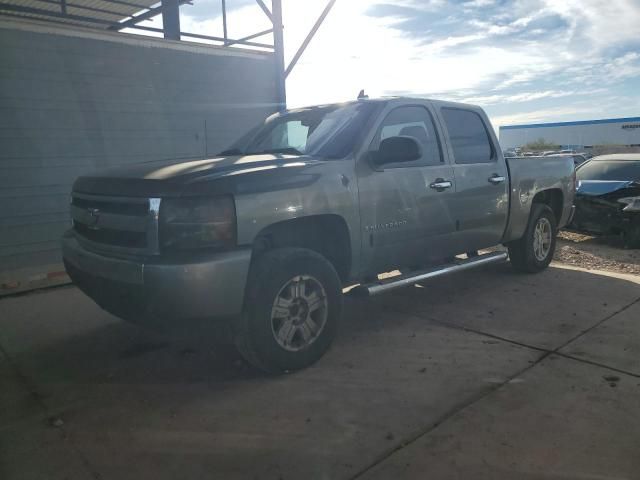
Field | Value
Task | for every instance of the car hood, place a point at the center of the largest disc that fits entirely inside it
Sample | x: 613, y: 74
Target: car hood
x: 603, y: 187
x: 224, y: 174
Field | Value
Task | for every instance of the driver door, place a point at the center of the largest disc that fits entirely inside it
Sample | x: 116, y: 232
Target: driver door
x: 405, y: 216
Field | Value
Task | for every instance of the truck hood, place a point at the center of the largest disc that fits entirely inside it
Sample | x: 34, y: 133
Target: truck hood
x: 229, y: 174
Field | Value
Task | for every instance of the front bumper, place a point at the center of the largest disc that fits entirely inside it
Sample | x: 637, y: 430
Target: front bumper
x: 602, y: 216
x: 204, y: 287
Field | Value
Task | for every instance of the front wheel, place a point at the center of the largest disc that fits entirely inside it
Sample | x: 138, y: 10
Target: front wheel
x: 534, y: 251
x: 292, y: 308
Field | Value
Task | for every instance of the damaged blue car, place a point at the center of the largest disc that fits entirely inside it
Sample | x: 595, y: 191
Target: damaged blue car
x: 608, y: 197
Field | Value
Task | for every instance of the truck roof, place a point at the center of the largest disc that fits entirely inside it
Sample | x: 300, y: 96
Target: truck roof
x: 391, y: 99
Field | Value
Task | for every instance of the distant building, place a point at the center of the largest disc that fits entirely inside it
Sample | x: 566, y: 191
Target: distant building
x: 577, y: 135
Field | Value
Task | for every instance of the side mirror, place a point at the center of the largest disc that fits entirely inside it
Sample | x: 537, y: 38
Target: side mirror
x: 397, y: 150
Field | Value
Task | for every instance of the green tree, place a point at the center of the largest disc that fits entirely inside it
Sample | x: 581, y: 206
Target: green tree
x: 540, y: 145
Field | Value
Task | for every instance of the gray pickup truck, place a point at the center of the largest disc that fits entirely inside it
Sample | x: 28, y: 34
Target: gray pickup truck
x: 267, y: 234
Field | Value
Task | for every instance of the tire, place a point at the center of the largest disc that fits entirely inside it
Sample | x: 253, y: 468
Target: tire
x: 297, y: 331
x: 525, y: 255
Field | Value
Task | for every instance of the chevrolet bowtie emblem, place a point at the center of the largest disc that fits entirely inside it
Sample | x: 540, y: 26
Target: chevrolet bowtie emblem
x: 94, y: 216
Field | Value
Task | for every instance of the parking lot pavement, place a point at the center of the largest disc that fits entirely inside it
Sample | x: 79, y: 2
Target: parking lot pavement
x: 562, y: 419
x: 543, y: 311
x: 615, y: 343
x: 448, y: 379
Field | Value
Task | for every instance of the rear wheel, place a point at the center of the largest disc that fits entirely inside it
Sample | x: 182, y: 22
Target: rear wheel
x: 534, y: 251
x: 292, y: 309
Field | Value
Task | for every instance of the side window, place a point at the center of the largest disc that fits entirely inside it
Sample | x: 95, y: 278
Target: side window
x: 469, y: 137
x: 413, y: 122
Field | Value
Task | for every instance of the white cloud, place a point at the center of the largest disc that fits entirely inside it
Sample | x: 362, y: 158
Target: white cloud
x: 521, y: 97
x: 542, y: 115
x: 600, y: 24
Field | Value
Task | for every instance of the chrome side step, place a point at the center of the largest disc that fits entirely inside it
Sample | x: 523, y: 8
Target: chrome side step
x: 400, y: 281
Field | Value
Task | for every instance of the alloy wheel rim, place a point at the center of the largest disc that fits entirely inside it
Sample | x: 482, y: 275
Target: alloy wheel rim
x: 542, y: 239
x: 299, y: 313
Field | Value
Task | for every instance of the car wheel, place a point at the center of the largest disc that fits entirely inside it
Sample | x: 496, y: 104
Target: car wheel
x: 292, y: 309
x: 534, y: 251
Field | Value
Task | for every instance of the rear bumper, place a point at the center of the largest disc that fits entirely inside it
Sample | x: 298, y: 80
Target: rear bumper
x: 203, y: 287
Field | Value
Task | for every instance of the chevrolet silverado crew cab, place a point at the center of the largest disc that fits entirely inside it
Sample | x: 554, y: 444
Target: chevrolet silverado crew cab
x: 267, y: 234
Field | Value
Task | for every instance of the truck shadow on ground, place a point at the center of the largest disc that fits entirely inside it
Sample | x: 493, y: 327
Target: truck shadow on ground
x: 543, y: 310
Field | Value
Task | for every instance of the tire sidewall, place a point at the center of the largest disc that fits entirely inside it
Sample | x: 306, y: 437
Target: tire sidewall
x: 269, y: 276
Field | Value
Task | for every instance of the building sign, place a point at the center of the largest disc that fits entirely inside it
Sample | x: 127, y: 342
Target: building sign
x: 631, y: 126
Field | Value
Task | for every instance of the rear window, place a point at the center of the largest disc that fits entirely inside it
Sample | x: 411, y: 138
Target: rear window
x: 469, y: 137
x: 609, y: 170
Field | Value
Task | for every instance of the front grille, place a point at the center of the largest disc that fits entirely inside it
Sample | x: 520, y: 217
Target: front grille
x: 140, y: 209
x: 126, y: 225
x: 120, y: 238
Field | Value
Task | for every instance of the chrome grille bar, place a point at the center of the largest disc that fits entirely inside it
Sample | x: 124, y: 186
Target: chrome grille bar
x: 126, y: 225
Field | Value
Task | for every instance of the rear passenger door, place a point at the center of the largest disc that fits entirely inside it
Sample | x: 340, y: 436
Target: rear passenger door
x: 481, y: 202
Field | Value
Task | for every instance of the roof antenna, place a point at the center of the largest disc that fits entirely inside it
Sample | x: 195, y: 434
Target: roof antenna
x: 362, y: 95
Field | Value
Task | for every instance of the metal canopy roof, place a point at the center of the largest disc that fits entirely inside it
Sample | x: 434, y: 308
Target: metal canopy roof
x: 103, y: 14
x: 117, y: 15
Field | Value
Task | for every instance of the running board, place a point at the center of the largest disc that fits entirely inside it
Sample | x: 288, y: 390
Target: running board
x: 400, y: 281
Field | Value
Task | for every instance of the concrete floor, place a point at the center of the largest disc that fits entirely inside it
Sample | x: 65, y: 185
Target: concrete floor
x: 483, y: 375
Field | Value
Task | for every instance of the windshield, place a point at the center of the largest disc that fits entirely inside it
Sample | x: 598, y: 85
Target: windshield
x: 609, y: 170
x: 328, y: 132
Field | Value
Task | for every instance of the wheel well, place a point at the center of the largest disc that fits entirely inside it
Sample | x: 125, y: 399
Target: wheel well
x: 327, y: 235
x: 552, y: 198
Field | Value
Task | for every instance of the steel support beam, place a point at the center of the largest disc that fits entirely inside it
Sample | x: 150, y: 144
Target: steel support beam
x: 205, y: 37
x: 265, y: 9
x: 152, y: 12
x: 171, y: 19
x: 313, y: 31
x: 278, y: 45
x: 249, y: 37
x: 224, y: 21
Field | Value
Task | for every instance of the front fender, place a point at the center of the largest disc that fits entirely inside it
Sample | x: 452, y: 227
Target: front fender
x: 331, y: 189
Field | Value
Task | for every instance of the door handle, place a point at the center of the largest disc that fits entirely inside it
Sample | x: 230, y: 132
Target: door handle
x: 496, y: 179
x: 441, y: 184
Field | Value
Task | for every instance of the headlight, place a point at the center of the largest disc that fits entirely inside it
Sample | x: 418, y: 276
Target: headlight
x: 199, y: 222
x: 632, y: 204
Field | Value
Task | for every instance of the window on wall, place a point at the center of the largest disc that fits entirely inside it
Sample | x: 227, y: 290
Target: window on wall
x: 416, y: 122
x: 468, y: 135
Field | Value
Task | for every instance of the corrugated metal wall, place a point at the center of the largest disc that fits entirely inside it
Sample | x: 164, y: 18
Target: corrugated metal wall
x: 74, y: 101
x: 623, y: 131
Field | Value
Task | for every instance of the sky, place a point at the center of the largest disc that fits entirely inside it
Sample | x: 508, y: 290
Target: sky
x: 524, y: 61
